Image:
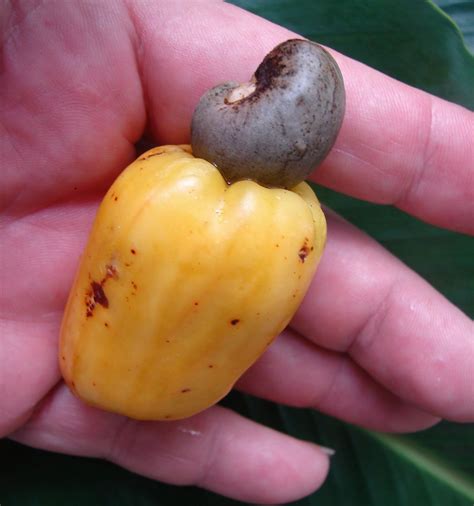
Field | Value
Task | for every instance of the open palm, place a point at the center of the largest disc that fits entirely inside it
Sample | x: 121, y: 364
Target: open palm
x: 372, y: 343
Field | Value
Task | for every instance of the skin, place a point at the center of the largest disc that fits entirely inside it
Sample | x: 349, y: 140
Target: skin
x: 373, y: 343
x: 277, y: 128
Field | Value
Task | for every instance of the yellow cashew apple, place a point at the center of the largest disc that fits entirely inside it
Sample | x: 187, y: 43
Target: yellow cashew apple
x: 184, y: 282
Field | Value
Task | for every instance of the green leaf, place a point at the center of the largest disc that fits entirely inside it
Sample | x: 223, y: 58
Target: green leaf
x: 31, y: 477
x: 415, y: 42
x: 462, y: 13
x: 375, y: 469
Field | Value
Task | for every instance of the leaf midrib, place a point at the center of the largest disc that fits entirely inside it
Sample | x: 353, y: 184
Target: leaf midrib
x: 426, y: 462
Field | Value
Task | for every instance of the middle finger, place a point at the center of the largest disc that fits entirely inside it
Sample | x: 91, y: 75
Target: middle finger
x: 398, y: 328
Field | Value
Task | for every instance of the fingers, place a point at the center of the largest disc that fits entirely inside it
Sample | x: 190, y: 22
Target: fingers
x: 38, y: 258
x: 28, y: 368
x: 72, y: 103
x: 413, y: 342
x: 398, y: 145
x: 407, y: 336
x: 217, y: 449
x: 296, y: 372
x: 199, y: 48
x: 401, y: 146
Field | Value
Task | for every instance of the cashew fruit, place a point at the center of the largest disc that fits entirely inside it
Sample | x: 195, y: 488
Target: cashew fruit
x: 185, y: 281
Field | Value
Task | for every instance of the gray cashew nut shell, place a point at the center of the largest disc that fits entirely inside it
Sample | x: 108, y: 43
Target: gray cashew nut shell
x: 281, y: 125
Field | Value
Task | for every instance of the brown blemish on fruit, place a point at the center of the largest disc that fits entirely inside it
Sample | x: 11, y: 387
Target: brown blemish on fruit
x: 304, y: 250
x: 99, y: 294
x: 196, y: 303
x: 106, y: 325
x: 235, y: 321
x: 185, y: 390
x: 135, y: 287
x: 133, y: 252
x: 96, y: 294
x: 210, y: 366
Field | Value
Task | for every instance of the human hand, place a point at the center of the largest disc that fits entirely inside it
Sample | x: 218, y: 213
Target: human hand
x: 372, y: 343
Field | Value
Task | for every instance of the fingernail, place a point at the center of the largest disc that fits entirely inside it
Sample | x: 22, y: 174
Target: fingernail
x: 328, y: 451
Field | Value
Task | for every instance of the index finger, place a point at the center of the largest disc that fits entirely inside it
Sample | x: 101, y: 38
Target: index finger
x: 398, y: 145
